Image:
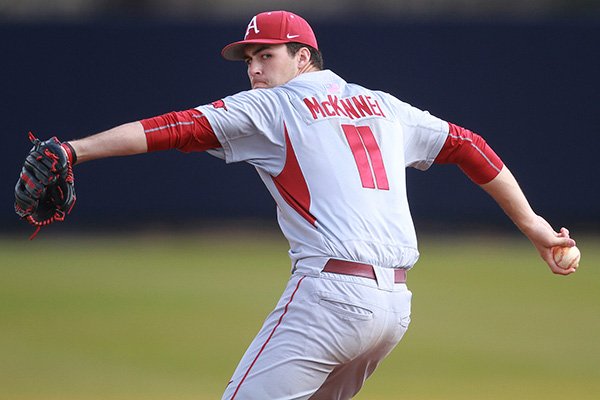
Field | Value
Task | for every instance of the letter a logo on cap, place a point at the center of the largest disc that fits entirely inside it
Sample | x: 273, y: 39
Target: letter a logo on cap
x: 252, y: 25
x: 276, y: 27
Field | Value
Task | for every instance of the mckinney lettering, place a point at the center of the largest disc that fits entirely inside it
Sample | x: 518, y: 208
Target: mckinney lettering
x: 354, y: 107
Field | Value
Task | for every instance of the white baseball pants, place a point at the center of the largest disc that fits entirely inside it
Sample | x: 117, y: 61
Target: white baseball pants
x: 325, y: 337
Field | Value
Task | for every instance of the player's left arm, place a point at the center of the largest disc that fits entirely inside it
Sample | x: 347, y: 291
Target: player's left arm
x: 123, y: 140
x: 185, y: 130
x: 45, y: 190
x: 483, y: 166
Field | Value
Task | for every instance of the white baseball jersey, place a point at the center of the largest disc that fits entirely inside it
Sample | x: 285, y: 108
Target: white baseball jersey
x: 333, y: 156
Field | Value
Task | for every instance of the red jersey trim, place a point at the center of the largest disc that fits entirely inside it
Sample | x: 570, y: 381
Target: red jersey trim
x: 291, y: 183
x: 471, y: 153
x: 186, y: 131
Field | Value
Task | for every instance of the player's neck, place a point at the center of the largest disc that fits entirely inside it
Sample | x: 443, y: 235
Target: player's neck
x: 307, y: 68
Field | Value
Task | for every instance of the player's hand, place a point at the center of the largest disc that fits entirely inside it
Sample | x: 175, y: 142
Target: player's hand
x: 45, y: 191
x: 543, y: 237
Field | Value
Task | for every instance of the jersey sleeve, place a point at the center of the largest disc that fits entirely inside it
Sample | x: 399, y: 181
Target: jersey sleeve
x: 424, y: 135
x: 249, y: 128
x: 471, y: 153
x: 186, y: 131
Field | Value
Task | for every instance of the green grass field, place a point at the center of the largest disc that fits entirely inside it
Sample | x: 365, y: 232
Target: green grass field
x: 158, y: 317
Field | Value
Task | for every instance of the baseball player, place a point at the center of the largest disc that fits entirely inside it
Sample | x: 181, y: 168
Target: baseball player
x: 333, y: 156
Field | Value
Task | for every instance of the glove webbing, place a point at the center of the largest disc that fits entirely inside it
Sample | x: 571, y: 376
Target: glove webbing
x: 58, y: 216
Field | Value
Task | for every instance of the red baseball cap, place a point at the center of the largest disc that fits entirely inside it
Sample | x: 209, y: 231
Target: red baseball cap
x: 272, y: 27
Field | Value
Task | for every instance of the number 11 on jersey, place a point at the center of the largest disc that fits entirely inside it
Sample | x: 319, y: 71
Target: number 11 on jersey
x: 367, y: 156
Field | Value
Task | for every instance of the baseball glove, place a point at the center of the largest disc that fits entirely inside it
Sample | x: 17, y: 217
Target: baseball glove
x: 45, y: 191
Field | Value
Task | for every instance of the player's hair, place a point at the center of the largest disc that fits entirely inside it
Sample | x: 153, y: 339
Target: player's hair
x: 316, y: 58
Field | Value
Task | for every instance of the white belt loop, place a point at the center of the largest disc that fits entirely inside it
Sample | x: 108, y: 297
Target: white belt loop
x: 385, y: 278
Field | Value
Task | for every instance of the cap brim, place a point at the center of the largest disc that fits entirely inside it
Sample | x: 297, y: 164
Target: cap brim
x: 235, y: 51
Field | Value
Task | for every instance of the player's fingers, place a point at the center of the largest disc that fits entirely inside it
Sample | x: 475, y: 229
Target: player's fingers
x: 567, y: 242
x: 547, y: 256
x: 560, y: 271
x: 563, y: 271
x: 564, y: 240
x: 564, y: 232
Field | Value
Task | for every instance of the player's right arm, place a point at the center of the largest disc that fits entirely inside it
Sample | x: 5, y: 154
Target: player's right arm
x: 483, y: 166
x: 505, y: 190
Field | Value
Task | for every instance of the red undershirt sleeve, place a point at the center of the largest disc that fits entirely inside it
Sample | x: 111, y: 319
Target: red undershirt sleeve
x: 187, y: 131
x: 471, y: 153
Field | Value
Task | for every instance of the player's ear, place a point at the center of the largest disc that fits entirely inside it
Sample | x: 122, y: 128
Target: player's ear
x: 303, y: 57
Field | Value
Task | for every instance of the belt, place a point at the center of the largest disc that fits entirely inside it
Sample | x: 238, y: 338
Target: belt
x: 352, y: 268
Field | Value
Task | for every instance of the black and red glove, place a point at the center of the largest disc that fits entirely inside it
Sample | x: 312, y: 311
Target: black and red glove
x: 45, y: 191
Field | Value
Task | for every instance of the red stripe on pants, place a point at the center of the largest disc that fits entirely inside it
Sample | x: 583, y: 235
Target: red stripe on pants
x: 268, y: 339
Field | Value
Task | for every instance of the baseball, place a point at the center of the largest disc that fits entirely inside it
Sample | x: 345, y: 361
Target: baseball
x: 566, y: 257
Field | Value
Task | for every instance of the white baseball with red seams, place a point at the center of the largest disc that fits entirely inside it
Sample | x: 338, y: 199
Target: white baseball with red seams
x: 566, y: 257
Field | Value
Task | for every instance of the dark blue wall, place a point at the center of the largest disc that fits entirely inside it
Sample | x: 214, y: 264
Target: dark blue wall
x: 531, y: 89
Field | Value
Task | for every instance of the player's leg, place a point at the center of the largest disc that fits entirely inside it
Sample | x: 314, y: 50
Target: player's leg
x: 311, y: 338
x: 317, y: 326
x: 345, y: 381
x: 274, y: 365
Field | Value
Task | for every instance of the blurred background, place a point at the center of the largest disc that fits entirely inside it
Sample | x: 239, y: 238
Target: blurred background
x: 524, y: 74
x: 228, y: 9
x: 165, y: 269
